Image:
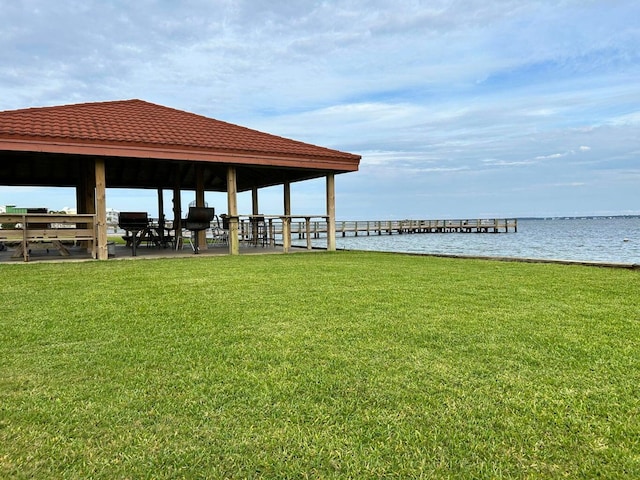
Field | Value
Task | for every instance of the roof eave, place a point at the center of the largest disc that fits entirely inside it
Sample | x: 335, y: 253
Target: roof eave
x: 347, y: 163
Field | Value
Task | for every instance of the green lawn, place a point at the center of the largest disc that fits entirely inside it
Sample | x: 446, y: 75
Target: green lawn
x: 323, y: 365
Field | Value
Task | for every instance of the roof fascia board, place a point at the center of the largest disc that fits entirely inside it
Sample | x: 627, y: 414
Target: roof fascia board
x: 315, y: 163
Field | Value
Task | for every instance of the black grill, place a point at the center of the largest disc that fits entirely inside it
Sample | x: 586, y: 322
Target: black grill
x: 199, y: 219
x: 133, y: 222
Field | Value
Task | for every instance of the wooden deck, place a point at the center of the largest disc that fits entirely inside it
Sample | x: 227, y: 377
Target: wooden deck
x: 46, y: 252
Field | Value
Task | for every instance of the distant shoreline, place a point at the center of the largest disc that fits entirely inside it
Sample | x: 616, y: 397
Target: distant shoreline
x: 582, y: 217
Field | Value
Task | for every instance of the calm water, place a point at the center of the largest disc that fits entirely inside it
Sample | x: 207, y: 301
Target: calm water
x: 608, y: 239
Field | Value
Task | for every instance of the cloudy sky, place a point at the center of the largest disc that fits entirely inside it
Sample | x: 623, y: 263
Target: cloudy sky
x: 459, y: 108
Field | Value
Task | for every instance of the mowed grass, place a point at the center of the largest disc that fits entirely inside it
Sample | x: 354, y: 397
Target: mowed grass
x: 323, y: 365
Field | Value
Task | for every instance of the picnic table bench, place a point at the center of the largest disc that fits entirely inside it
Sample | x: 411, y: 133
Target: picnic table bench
x: 48, y: 229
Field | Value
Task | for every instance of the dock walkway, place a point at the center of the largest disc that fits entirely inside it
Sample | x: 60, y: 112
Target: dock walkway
x: 316, y: 229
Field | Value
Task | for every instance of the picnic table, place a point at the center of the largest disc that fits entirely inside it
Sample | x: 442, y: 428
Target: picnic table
x: 46, y: 230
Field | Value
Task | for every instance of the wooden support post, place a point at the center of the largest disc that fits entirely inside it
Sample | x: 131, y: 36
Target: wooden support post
x: 272, y: 233
x: 86, y: 197
x: 331, y: 212
x: 101, y: 209
x: 177, y: 210
x: 202, y: 234
x: 160, y: 206
x: 232, y: 207
x: 255, y: 209
x: 177, y: 221
x: 286, y: 220
x: 85, y: 190
x: 160, y: 210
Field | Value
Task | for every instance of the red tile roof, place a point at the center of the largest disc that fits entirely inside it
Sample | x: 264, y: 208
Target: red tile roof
x: 144, y: 124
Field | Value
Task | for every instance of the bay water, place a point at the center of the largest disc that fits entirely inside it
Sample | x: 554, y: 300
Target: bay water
x: 597, y: 239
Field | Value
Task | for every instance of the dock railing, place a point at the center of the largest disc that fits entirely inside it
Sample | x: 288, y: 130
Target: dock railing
x: 379, y: 227
x: 279, y: 229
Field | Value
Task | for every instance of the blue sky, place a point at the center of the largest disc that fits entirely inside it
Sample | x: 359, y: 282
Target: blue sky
x: 460, y: 109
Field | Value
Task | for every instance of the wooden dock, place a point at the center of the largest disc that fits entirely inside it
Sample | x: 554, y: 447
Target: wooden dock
x: 317, y: 229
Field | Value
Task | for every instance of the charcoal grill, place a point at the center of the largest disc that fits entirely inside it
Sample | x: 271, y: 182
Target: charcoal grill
x: 133, y: 222
x: 198, y: 219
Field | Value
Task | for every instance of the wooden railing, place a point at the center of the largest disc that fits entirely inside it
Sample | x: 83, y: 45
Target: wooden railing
x: 379, y: 227
x: 29, y: 229
x: 315, y: 226
x: 270, y: 230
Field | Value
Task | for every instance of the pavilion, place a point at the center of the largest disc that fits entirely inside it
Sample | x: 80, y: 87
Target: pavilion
x: 141, y: 145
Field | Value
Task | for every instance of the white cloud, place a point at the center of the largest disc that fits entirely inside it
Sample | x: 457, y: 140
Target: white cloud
x: 632, y: 118
x: 553, y: 155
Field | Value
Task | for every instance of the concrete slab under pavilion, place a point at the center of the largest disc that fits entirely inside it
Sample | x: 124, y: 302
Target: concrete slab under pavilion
x: 45, y: 253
